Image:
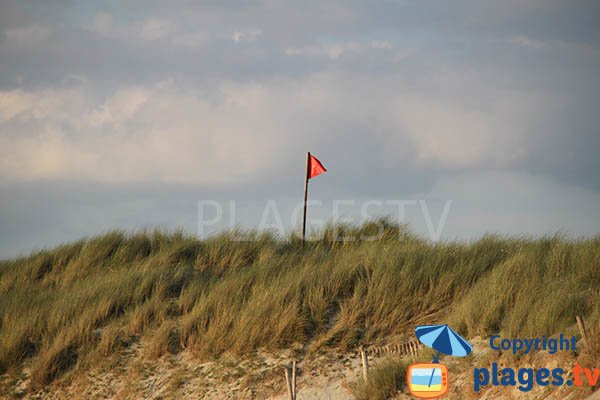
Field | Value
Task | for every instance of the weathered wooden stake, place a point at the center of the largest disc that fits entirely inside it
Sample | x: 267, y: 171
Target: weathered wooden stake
x: 294, y: 379
x: 365, y: 362
x: 288, y: 383
x: 581, y: 326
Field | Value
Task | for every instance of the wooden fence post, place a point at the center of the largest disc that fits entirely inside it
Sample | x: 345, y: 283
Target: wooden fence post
x: 288, y: 382
x: 294, y: 380
x: 365, y: 362
x: 581, y: 326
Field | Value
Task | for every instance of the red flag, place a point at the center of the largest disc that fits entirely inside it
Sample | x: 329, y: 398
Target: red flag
x: 315, y: 167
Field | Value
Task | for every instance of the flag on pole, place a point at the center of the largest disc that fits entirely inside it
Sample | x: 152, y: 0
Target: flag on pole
x: 315, y: 167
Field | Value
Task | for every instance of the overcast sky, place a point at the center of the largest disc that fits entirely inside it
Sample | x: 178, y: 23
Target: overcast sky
x: 125, y: 114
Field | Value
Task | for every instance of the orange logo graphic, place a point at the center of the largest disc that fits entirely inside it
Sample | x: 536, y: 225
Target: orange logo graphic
x: 427, y: 380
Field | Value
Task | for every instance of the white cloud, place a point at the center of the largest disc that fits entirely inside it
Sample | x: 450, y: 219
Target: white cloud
x: 381, y: 44
x: 487, y: 128
x: 157, y: 133
x: 155, y: 28
x: 239, y: 132
x: 446, y: 135
x: 526, y: 41
x: 191, y: 39
x: 28, y: 35
x: 13, y: 103
x: 337, y: 50
x: 103, y: 24
x: 245, y: 35
x: 56, y: 104
x: 48, y: 154
x: 147, y: 29
x: 120, y: 108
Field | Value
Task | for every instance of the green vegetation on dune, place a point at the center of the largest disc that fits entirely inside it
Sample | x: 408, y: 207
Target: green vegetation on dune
x: 69, y: 307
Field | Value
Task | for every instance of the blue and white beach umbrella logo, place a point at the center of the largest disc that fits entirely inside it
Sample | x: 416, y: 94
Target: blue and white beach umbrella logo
x: 443, y: 339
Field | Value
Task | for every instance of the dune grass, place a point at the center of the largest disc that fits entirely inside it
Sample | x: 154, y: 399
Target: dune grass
x: 70, y: 307
x: 385, y: 379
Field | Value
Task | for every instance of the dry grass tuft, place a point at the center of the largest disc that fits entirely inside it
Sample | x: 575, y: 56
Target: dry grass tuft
x: 385, y: 380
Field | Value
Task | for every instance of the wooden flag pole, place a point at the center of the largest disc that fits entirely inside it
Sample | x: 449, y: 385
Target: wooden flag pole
x: 305, y: 198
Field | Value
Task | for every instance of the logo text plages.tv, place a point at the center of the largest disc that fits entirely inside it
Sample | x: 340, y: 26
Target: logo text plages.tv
x: 526, y: 378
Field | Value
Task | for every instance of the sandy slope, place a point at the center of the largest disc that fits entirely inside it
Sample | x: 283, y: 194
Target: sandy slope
x: 326, y: 376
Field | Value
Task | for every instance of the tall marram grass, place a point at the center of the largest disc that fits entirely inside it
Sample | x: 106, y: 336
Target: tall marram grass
x: 386, y: 378
x: 68, y: 308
